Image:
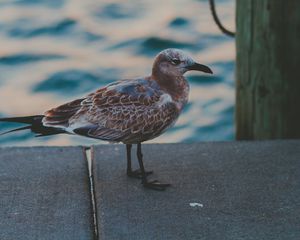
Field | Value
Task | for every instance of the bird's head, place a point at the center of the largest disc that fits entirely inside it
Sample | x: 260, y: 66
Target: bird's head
x: 173, y: 61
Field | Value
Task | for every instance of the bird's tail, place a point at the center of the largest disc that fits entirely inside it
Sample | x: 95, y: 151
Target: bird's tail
x: 34, y: 124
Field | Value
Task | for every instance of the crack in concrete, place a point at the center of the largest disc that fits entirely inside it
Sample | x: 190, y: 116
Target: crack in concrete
x: 89, y: 158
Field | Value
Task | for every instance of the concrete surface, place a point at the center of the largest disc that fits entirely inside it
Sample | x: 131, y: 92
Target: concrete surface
x: 224, y: 190
x: 44, y: 194
x: 232, y: 190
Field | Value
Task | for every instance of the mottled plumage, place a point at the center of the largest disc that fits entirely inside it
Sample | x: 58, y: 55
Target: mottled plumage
x: 130, y: 111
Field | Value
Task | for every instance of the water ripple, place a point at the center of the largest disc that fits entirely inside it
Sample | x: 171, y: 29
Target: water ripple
x: 115, y: 11
x: 199, y: 79
x: 152, y: 45
x: 55, y: 29
x: 73, y: 81
x: 26, y: 58
x: 179, y: 22
x: 47, y: 3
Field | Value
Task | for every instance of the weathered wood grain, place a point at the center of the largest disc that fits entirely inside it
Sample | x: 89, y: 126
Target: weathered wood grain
x: 268, y: 76
x: 244, y: 190
x: 44, y: 194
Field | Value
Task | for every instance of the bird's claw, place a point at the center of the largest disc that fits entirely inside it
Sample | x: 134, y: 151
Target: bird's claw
x: 156, y: 185
x: 138, y: 173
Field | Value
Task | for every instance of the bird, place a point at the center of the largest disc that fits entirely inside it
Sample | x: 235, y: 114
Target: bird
x: 130, y: 111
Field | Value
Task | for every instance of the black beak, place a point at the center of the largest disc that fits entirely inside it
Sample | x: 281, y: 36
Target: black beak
x: 200, y: 67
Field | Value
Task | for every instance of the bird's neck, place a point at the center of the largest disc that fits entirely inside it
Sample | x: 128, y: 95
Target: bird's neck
x: 174, y: 84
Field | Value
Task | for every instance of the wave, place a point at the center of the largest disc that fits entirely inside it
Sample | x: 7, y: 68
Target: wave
x: 58, y: 28
x: 26, y: 58
x: 74, y: 81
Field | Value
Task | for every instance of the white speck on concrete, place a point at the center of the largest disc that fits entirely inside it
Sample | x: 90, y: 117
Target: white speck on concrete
x: 194, y: 204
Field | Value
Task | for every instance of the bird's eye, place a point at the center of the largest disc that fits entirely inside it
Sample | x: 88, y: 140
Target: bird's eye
x: 175, y: 61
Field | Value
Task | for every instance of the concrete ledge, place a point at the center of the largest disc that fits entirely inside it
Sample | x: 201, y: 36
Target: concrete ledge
x: 222, y: 190
x: 232, y: 190
x: 44, y: 194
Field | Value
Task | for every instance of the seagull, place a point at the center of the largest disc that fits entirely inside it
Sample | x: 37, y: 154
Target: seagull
x: 130, y: 111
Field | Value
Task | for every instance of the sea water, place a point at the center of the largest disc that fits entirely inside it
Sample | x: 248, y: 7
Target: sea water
x: 53, y: 51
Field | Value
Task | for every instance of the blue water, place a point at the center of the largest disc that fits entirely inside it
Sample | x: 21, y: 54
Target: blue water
x: 53, y: 51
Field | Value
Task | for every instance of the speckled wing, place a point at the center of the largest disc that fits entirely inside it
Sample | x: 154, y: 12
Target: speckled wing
x: 60, y: 116
x: 126, y: 111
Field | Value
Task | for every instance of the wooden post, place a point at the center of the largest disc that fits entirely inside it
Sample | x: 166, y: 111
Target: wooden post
x: 268, y: 69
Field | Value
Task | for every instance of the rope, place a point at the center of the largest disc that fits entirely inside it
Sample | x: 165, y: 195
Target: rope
x: 217, y: 20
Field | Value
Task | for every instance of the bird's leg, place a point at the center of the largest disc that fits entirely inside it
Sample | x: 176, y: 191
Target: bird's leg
x: 128, y: 150
x: 148, y: 184
x: 135, y: 173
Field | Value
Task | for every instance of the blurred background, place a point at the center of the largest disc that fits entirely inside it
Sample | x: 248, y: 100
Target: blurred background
x: 52, y: 51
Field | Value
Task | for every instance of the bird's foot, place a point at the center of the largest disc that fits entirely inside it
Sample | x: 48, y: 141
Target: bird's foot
x: 137, y: 173
x: 156, y: 185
